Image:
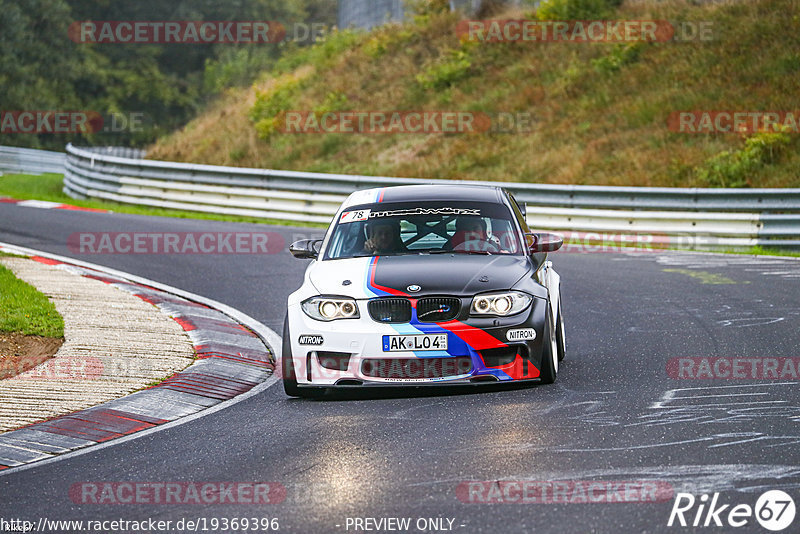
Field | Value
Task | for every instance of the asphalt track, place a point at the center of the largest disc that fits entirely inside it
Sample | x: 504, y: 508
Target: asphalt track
x: 614, y: 414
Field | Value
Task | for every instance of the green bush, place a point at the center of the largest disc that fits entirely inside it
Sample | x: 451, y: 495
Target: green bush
x: 387, y: 41
x: 269, y: 104
x: 444, y: 73
x: 732, y: 169
x: 235, y: 67
x: 620, y: 55
x: 331, y: 48
x: 576, y: 9
x: 426, y: 8
x: 334, y: 101
x: 237, y: 154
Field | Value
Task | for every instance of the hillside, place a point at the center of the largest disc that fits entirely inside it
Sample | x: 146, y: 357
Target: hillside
x: 599, y: 110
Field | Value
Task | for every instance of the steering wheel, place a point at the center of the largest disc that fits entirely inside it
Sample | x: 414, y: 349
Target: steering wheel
x: 481, y: 245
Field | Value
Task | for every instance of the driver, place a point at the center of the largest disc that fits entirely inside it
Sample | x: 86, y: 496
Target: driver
x: 469, y: 229
x: 383, y: 236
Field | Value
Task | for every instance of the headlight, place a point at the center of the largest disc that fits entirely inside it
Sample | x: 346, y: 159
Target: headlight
x: 502, y: 304
x: 330, y: 308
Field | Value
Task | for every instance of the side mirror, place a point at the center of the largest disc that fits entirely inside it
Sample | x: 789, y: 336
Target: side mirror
x: 544, y: 242
x: 305, y: 249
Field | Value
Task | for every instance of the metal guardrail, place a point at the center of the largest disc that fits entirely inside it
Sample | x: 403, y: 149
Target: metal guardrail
x: 33, y: 161
x: 118, y: 151
x: 684, y: 218
x: 27, y: 160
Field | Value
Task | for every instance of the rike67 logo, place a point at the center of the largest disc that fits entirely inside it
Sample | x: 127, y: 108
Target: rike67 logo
x: 774, y: 510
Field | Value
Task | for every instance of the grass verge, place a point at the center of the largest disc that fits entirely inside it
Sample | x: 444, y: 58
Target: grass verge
x: 25, y: 310
x: 762, y: 251
x: 48, y: 187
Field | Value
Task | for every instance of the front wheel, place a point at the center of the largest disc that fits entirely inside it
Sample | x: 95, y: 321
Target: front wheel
x: 549, y: 351
x: 287, y: 367
x: 560, y: 338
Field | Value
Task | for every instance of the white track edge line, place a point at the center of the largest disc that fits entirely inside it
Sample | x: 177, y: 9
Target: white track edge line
x: 270, y: 338
x: 166, y: 426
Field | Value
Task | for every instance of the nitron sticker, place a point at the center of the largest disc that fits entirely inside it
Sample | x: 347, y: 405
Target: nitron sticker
x: 521, y: 334
x: 311, y: 339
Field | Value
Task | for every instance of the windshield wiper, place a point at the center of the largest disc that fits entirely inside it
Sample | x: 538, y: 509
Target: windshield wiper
x: 442, y: 251
x: 370, y: 254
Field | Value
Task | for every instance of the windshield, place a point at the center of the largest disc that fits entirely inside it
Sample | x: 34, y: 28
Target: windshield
x: 390, y: 229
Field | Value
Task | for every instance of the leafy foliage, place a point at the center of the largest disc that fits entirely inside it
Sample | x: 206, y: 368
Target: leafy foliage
x: 270, y: 104
x: 620, y: 55
x: 447, y: 70
x: 148, y: 89
x: 732, y: 169
x: 598, y: 112
x: 576, y: 9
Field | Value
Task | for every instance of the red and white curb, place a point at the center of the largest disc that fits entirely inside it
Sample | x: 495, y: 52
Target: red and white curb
x: 236, y: 358
x: 47, y: 205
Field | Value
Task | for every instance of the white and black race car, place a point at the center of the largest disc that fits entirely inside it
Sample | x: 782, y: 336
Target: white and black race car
x: 427, y: 284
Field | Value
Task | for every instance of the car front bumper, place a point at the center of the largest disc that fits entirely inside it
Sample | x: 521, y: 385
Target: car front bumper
x: 350, y: 352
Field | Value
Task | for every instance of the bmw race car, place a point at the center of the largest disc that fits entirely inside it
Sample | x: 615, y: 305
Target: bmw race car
x: 424, y: 284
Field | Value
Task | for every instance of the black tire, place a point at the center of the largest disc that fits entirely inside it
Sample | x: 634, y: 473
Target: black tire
x: 290, y: 386
x: 287, y: 368
x: 561, y: 340
x: 549, y: 369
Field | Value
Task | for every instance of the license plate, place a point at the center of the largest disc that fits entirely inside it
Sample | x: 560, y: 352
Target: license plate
x: 420, y: 342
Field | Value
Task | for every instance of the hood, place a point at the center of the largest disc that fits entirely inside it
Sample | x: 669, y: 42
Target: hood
x: 458, y: 274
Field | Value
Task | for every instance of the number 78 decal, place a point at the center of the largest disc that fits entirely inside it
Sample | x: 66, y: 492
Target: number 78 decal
x: 353, y: 216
